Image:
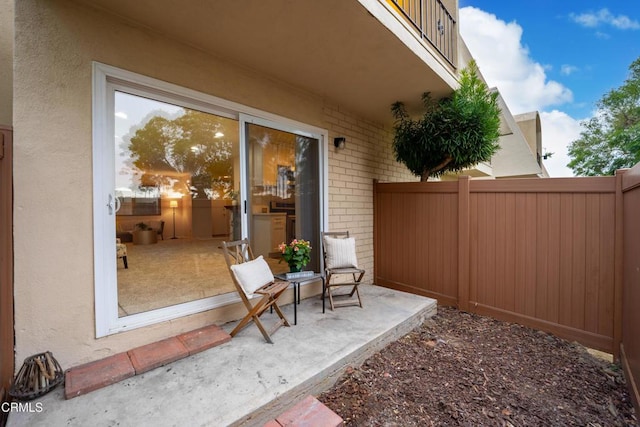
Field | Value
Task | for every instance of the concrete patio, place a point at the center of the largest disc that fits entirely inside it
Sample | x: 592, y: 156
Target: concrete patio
x: 244, y: 381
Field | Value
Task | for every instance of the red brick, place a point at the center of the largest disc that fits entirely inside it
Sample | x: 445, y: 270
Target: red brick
x: 94, y: 375
x: 156, y: 354
x: 204, y: 338
x: 309, y: 412
x: 272, y: 423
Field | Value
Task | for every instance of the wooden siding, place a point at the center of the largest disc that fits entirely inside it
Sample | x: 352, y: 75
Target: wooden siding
x: 537, y: 252
x: 630, y: 350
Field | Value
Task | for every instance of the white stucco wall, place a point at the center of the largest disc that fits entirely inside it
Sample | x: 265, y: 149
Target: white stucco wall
x: 56, y: 42
x: 6, y: 62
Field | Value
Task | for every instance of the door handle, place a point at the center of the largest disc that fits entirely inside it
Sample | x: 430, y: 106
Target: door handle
x: 113, y: 203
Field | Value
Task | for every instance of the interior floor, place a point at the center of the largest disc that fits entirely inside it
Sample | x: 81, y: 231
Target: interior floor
x: 175, y: 271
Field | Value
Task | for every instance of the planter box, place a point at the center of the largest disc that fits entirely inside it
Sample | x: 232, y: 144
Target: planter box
x: 145, y: 237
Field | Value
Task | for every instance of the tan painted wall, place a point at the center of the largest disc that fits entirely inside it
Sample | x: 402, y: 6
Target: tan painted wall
x: 368, y: 155
x: 529, y: 124
x: 6, y: 61
x: 56, y: 41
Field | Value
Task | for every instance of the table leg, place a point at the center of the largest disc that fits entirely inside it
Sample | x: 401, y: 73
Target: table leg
x: 296, y: 295
x: 323, y: 290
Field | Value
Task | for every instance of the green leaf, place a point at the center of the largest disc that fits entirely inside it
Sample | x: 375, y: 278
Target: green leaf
x: 464, y: 126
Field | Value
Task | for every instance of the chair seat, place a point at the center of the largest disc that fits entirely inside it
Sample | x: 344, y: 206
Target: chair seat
x: 350, y: 270
x: 273, y: 288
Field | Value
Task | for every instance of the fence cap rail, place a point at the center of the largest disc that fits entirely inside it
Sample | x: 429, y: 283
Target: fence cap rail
x: 598, y: 184
x: 417, y: 187
x: 631, y: 178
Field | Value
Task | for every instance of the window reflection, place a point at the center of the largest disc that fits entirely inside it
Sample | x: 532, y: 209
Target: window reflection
x: 284, y: 192
x: 178, y: 184
x: 176, y: 173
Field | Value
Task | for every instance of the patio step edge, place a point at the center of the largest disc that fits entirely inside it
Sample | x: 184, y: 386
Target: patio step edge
x: 326, y: 378
x: 308, y: 412
x: 101, y: 373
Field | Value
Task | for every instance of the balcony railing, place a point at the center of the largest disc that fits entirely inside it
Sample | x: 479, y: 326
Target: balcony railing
x: 433, y: 22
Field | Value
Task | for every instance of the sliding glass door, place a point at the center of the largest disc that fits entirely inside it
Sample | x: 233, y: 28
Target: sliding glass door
x: 176, y: 172
x: 283, y: 200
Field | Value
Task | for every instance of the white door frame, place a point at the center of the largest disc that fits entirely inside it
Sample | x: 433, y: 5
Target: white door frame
x: 105, y: 79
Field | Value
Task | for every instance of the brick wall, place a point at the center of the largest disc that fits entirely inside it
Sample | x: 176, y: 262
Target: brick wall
x: 368, y: 155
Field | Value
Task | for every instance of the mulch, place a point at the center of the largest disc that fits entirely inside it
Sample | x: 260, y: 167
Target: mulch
x: 460, y: 369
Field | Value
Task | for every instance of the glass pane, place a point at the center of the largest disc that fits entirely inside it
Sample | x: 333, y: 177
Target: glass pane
x: 284, y: 195
x: 177, y: 174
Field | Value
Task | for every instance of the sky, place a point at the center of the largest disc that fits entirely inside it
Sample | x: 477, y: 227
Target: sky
x: 557, y: 57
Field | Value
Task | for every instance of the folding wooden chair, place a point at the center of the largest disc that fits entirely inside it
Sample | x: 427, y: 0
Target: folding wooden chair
x: 253, y: 277
x: 339, y: 251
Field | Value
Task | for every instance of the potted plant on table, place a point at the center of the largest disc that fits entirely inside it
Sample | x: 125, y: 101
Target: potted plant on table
x: 297, y: 254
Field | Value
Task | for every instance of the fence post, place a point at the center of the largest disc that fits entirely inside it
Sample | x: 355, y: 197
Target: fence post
x: 375, y: 230
x: 463, y: 242
x: 618, y: 266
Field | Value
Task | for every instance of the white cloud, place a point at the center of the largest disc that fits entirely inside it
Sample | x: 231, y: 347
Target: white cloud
x: 604, y: 17
x: 585, y: 19
x: 568, y: 69
x: 558, y: 131
x: 121, y: 115
x: 506, y: 63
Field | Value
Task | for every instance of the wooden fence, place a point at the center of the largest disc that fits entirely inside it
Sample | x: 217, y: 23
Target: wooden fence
x: 546, y: 253
x: 630, y: 349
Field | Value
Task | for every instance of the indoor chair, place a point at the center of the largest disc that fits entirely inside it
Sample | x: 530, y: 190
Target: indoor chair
x: 253, y: 278
x: 341, y: 267
x: 121, y: 252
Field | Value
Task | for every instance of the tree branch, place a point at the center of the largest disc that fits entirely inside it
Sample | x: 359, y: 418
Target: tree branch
x: 427, y: 172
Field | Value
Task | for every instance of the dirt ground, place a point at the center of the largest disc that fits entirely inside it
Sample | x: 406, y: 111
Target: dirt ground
x: 468, y: 370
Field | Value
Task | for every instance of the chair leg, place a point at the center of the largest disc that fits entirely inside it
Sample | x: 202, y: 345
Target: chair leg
x: 358, y: 295
x: 244, y: 322
x: 356, y: 281
x: 280, y: 314
x: 265, y: 334
x: 254, y: 315
x: 253, y: 311
x: 330, y: 298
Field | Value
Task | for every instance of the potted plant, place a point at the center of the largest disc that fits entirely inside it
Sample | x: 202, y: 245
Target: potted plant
x: 144, y: 234
x: 297, y: 254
